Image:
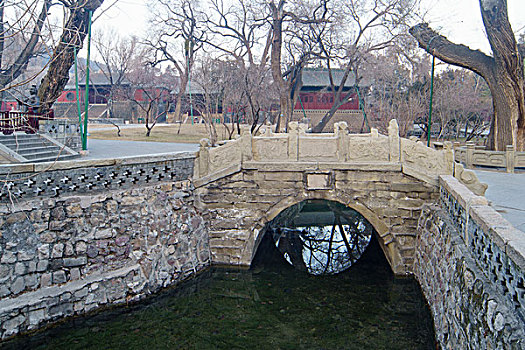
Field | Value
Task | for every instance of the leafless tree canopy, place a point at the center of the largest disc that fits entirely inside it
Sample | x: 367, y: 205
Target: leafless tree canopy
x: 503, y: 71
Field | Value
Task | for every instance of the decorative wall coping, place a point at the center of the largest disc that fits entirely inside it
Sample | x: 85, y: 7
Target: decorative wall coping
x: 472, y: 156
x: 497, y: 246
x: 74, y: 177
x: 85, y: 163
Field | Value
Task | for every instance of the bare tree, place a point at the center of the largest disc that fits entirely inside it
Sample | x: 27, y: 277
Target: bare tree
x: 292, y: 26
x: 398, y: 89
x: 366, y: 26
x: 175, y: 38
x: 149, y: 92
x: 208, y: 78
x: 78, y: 14
x: 17, y: 49
x: 241, y: 34
x: 503, y: 71
x: 117, y: 55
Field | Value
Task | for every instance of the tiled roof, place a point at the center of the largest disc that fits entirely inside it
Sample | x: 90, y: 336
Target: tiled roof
x: 318, y: 77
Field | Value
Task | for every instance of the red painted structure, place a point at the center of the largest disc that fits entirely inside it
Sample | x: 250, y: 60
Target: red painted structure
x: 324, y: 101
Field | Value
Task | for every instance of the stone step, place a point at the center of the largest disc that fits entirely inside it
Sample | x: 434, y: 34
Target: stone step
x: 43, y: 152
x: 34, y: 148
x: 17, y: 142
x: 28, y: 148
x: 51, y: 158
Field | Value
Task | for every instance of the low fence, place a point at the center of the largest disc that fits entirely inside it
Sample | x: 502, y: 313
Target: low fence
x: 477, y: 156
x: 28, y: 122
x: 86, y: 177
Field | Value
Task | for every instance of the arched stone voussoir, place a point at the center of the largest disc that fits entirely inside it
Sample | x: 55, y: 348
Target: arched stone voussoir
x: 384, y: 236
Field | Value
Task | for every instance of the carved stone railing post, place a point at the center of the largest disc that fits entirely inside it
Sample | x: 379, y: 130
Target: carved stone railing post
x: 510, y: 158
x: 471, y: 146
x: 394, y: 141
x: 246, y: 144
x: 341, y: 133
x: 449, y: 157
x: 204, y: 158
x: 293, y: 141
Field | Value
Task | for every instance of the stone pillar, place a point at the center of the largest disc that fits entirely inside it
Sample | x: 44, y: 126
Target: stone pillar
x: 510, y: 158
x: 293, y: 141
x: 204, y: 158
x: 470, y: 155
x: 449, y: 157
x: 394, y: 141
x: 246, y: 147
x: 341, y: 133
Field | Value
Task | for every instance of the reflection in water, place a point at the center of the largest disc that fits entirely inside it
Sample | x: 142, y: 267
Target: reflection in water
x: 320, y: 237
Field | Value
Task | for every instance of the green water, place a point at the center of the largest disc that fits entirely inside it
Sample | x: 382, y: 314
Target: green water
x: 270, y: 307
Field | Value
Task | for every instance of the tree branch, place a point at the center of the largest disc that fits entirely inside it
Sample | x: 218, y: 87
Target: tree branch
x: 459, y: 55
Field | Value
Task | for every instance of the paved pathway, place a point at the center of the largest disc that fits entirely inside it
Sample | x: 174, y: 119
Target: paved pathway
x: 100, y: 149
x: 506, y: 193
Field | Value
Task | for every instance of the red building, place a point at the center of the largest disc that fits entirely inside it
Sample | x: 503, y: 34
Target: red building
x: 316, y: 98
x: 122, y: 102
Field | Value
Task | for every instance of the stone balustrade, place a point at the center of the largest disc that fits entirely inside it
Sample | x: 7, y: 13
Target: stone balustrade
x: 341, y: 147
x: 65, y: 131
x: 477, y: 156
x: 498, y: 247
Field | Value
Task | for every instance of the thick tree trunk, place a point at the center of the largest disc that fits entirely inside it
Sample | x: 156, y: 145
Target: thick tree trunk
x: 503, y: 72
x: 73, y: 36
x: 275, y: 59
x: 8, y: 74
x: 178, y: 99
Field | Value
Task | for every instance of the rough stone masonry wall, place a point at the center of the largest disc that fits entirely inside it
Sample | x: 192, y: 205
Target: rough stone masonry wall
x: 71, y: 254
x: 470, y: 267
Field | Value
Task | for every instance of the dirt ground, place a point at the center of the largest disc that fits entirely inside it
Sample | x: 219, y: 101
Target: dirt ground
x: 185, y: 133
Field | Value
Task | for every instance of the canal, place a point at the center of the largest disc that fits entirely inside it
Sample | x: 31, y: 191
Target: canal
x: 270, y: 306
x: 319, y: 280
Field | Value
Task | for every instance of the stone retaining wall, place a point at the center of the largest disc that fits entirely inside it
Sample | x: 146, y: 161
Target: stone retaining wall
x: 470, y: 264
x: 72, y: 254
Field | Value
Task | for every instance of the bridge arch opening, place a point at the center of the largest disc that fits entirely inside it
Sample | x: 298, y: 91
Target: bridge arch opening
x: 320, y: 236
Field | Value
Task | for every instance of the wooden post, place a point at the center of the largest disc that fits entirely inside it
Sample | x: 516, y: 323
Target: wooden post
x: 510, y: 158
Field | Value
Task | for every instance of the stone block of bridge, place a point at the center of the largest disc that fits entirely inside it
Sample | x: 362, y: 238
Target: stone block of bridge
x: 245, y: 183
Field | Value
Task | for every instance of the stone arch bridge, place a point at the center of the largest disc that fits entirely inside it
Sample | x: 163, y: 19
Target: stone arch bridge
x: 245, y: 183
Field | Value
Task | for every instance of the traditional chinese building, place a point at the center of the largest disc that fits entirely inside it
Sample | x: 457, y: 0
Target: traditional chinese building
x: 316, y: 98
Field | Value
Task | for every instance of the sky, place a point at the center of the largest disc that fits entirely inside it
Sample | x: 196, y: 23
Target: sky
x: 459, y: 20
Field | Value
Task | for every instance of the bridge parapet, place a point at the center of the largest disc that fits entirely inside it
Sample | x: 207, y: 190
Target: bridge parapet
x: 470, y: 263
x: 498, y: 247
x: 298, y: 146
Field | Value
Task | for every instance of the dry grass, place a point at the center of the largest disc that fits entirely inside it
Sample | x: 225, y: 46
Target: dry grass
x: 185, y: 133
